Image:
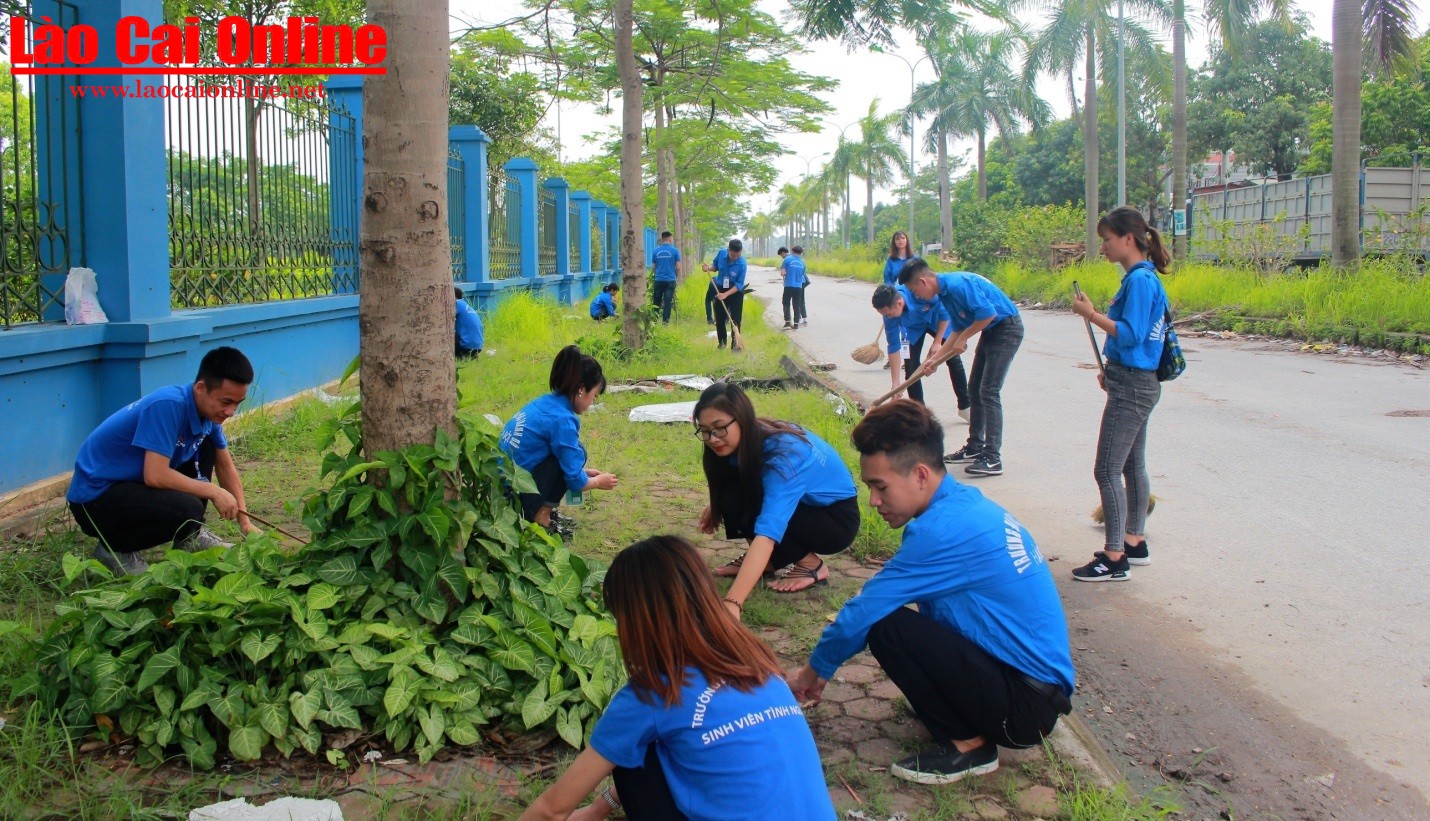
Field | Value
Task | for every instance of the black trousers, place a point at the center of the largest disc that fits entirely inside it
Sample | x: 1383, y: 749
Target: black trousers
x: 664, y: 296
x: 956, y: 373
x: 791, y: 299
x: 803, y: 306
x: 710, y: 308
x: 822, y: 530
x: 550, y: 487
x: 956, y: 689
x: 644, y: 792
x: 130, y: 516
x: 735, y: 305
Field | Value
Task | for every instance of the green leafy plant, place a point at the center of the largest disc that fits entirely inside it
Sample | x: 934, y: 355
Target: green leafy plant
x: 423, y: 611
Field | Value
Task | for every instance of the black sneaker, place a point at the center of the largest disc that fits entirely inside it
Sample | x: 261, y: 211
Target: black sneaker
x: 985, y: 466
x: 1102, y: 569
x: 1137, y: 555
x: 788, y: 326
x: 963, y: 454
x: 945, y: 765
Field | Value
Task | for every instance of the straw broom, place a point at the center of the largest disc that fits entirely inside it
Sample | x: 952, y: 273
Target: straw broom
x: 869, y: 354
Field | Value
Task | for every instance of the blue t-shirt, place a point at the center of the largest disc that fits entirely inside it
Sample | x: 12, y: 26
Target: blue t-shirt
x: 1140, y: 310
x: 469, y: 327
x: 970, y: 566
x: 798, y: 470
x: 603, y: 306
x: 794, y: 269
x: 728, y: 274
x: 919, y: 317
x: 892, y: 267
x: 970, y: 298
x: 726, y: 754
x: 548, y: 426
x: 166, y: 422
x: 664, y: 258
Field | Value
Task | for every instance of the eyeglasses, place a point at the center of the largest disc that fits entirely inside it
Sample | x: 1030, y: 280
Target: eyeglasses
x: 714, y: 431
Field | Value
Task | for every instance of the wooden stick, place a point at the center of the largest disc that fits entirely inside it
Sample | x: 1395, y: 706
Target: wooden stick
x: 857, y: 799
x: 734, y: 329
x: 272, y: 526
x: 942, y: 357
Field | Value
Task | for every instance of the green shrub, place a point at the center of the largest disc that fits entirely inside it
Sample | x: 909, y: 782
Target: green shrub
x: 1032, y: 231
x: 422, y: 611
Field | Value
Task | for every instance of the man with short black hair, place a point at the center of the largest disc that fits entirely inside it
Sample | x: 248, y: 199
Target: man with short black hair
x: 984, y: 662
x: 143, y: 477
x: 728, y: 287
x: 665, y: 260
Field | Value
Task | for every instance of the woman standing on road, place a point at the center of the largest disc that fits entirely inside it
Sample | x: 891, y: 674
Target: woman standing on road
x: 544, y: 437
x: 1135, y: 322
x: 677, y: 738
x: 899, y: 253
x: 776, y: 485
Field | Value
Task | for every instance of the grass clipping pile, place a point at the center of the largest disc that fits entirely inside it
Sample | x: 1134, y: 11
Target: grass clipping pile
x: 413, y: 616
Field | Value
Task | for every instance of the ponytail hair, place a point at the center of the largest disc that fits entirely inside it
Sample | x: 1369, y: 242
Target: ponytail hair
x: 1124, y: 220
x: 572, y: 371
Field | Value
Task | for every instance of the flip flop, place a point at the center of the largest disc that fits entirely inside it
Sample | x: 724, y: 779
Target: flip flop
x: 796, y: 572
x: 731, y: 569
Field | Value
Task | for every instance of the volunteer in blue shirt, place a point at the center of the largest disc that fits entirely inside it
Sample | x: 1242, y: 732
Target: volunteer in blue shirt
x: 975, y: 307
x: 544, y: 437
x: 777, y: 486
x: 666, y: 262
x: 604, y: 305
x: 1135, y: 323
x: 143, y: 477
x: 908, y: 321
x: 899, y: 254
x: 728, y: 284
x: 803, y: 294
x: 984, y: 661
x: 792, y: 268
x: 705, y: 723
x: 470, y: 335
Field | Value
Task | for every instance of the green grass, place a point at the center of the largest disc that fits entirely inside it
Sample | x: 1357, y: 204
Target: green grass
x: 1383, y: 304
x: 834, y: 265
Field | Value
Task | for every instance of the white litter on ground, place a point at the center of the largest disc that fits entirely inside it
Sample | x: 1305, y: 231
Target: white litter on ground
x: 688, y: 380
x: 667, y: 412
x: 280, y: 809
x: 840, y: 406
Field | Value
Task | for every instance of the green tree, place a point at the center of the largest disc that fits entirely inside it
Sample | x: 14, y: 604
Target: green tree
x: 1086, y: 31
x: 488, y: 92
x: 1256, y: 103
x: 875, y: 156
x: 1395, y: 119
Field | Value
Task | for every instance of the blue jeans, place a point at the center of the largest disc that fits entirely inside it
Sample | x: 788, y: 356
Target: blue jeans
x: 1121, y: 466
x: 997, y: 344
x: 664, y: 297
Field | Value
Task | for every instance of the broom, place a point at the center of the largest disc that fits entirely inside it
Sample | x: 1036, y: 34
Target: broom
x: 932, y: 364
x: 869, y: 354
x: 736, y: 342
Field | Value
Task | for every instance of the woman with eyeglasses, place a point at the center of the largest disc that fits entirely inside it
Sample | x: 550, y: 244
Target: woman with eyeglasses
x: 776, y: 485
x: 544, y: 437
x: 679, y: 739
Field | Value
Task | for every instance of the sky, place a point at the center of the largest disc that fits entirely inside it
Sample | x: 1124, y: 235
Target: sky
x: 862, y: 76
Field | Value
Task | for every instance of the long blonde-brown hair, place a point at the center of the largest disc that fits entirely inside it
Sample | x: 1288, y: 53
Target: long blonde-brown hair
x: 669, y: 618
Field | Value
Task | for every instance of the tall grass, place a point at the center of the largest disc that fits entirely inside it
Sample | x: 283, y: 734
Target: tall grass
x: 835, y: 264
x: 1377, y: 305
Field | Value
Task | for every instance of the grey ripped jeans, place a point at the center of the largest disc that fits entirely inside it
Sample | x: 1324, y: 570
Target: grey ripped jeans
x: 1121, y: 466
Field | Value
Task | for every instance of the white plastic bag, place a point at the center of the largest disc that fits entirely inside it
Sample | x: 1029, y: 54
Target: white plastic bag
x: 82, y: 298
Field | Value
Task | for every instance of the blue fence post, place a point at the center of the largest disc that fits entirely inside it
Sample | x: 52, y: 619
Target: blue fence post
x: 523, y: 170
x: 598, y: 250
x: 650, y: 241
x: 470, y: 143
x: 56, y: 117
x: 561, y: 192
x: 583, y: 240
x: 345, y: 180
x: 613, y: 240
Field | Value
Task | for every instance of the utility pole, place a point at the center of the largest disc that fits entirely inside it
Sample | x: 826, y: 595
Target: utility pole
x: 1121, y: 109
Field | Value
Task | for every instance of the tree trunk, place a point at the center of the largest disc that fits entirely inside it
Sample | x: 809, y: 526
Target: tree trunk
x: 1072, y: 95
x: 869, y: 209
x: 1345, y: 132
x: 662, y: 177
x: 405, y: 308
x: 1179, y: 115
x: 677, y: 208
x: 632, y: 239
x: 1090, y: 147
x: 982, y: 166
x: 945, y: 199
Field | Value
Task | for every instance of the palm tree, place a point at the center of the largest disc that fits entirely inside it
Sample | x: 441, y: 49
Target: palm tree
x: 875, y: 157
x: 976, y: 88
x: 1385, y: 29
x: 759, y: 231
x: 1086, y: 30
x: 838, y: 171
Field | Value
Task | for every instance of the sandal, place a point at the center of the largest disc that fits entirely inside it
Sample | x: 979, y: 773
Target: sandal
x: 795, y: 572
x: 731, y: 569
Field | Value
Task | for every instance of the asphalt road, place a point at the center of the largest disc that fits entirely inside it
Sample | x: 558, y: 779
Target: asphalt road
x: 1286, y: 613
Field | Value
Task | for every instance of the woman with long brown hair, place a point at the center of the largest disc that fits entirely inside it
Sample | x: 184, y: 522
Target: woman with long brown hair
x: 776, y: 485
x: 706, y: 720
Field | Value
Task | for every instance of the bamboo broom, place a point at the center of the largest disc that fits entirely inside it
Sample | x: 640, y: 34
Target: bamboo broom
x: 869, y: 354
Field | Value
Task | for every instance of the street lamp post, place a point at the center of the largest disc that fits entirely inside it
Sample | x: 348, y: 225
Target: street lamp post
x: 848, y: 214
x: 1121, y: 111
x: 913, y: 87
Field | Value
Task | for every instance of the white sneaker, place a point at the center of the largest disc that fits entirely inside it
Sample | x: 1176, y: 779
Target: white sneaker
x: 965, y: 414
x: 203, y: 540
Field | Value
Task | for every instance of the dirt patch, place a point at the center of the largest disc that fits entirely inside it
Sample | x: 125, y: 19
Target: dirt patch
x: 1422, y: 414
x: 1169, y: 718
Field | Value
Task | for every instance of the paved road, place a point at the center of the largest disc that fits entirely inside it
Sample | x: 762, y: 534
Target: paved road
x: 1288, y: 596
